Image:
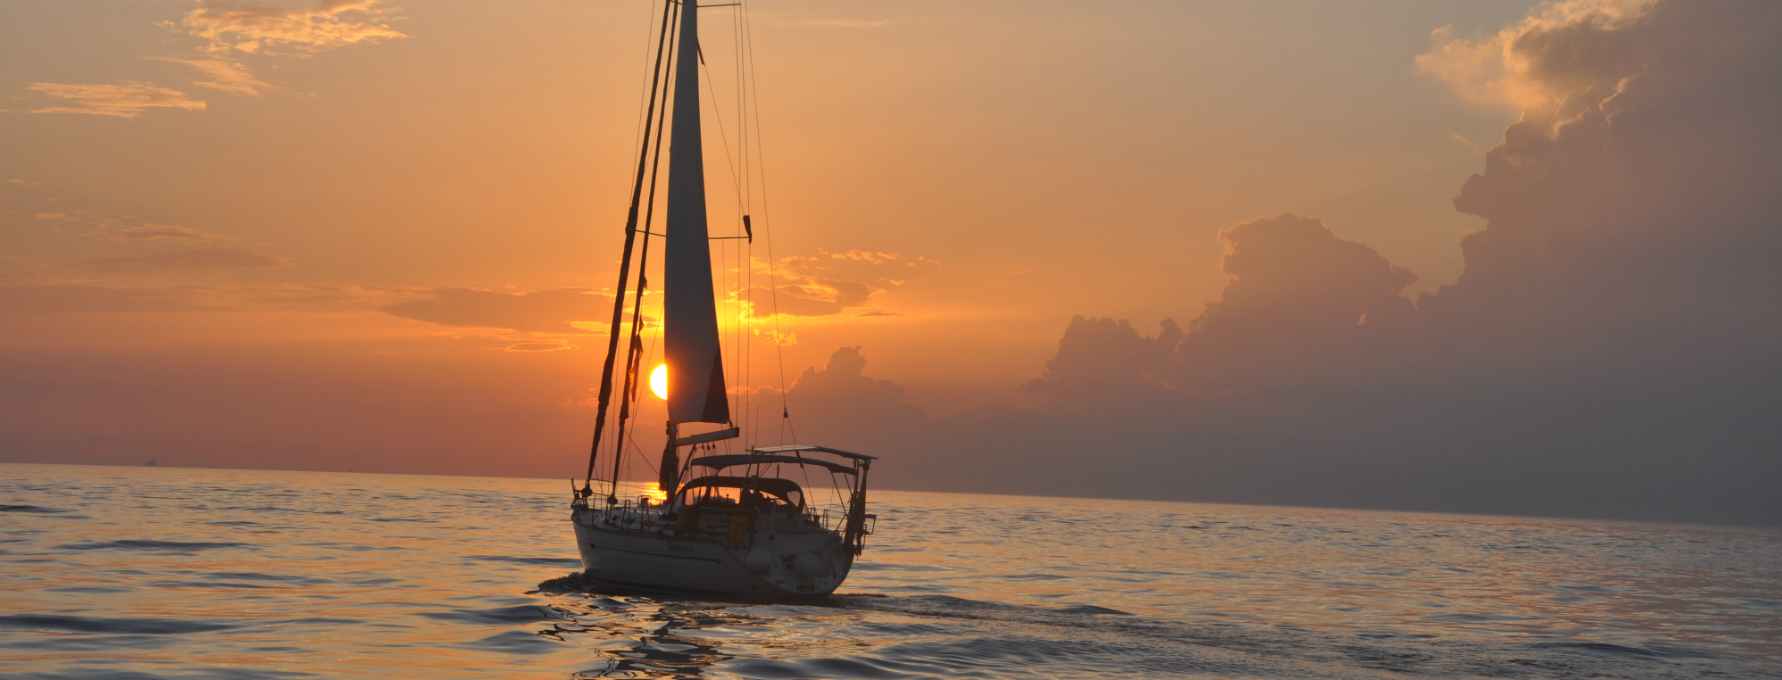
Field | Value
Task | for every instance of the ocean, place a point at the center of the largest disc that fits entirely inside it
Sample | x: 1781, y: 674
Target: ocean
x: 109, y: 572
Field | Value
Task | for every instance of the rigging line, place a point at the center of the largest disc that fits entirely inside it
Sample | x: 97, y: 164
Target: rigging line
x: 748, y: 335
x: 648, y: 354
x: 835, y: 486
x: 744, y: 254
x: 643, y: 85
x: 723, y: 282
x: 773, y: 287
x: 642, y: 456
x: 741, y: 351
x: 718, y: 115
x: 612, y: 346
x: 742, y: 110
x: 629, y: 396
x: 730, y: 164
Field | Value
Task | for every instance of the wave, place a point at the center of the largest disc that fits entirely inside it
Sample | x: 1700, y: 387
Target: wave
x: 1611, y: 649
x: 498, y: 615
x: 81, y: 624
x: 31, y: 509
x: 155, y: 546
x: 257, y: 576
x: 568, y: 562
x: 214, y: 585
x: 514, y: 642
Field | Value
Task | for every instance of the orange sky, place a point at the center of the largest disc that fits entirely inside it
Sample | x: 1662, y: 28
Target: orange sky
x: 1024, y: 162
x: 380, y: 235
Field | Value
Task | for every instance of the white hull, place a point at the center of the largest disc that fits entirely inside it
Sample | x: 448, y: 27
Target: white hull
x: 759, y: 555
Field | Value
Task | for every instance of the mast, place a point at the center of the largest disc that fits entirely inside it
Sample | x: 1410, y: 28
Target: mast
x: 612, y: 343
x: 634, y: 352
x: 690, y: 324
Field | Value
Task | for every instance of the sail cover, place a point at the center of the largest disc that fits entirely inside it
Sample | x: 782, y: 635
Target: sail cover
x: 690, y: 317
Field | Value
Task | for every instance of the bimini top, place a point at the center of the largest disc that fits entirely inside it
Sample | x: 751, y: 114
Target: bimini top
x: 801, y: 448
x: 734, y: 459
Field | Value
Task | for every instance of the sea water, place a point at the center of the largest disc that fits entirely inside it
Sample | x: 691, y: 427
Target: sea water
x: 112, y: 572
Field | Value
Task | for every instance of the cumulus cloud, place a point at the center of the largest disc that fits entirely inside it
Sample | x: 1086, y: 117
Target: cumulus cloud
x: 1609, y: 349
x: 840, y: 404
x: 1293, y: 285
x: 127, y: 99
x: 1540, y: 63
x: 544, y: 311
x: 194, y: 260
x: 1106, y: 358
x: 1645, y: 202
x: 227, y: 26
x: 223, y: 76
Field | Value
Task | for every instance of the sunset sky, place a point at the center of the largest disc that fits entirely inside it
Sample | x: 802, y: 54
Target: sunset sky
x: 380, y: 235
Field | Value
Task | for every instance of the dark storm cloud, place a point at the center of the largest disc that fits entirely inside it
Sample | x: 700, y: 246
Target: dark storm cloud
x: 1609, y: 350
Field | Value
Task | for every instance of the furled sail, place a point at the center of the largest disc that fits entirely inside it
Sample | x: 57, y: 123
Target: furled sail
x: 690, y: 332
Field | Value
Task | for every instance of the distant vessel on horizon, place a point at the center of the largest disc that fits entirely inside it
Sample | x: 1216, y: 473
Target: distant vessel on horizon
x: 728, y: 523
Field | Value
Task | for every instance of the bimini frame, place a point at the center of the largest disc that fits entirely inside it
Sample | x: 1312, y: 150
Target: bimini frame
x: 853, y: 465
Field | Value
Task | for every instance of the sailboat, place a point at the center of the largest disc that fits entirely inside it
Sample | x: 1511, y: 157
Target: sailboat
x: 731, y: 523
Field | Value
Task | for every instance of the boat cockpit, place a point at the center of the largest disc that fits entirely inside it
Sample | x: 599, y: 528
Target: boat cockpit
x: 719, y: 491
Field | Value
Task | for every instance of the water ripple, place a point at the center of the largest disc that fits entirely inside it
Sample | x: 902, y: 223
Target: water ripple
x: 81, y: 624
x: 951, y: 586
x: 154, y: 546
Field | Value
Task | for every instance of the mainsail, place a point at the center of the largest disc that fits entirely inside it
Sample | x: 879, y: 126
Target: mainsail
x: 690, y: 332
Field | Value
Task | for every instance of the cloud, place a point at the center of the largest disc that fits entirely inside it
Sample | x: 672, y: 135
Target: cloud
x: 536, y: 346
x: 115, y: 100
x: 1534, y: 66
x: 223, y: 76
x: 1292, y: 284
x: 847, y: 23
x: 832, y: 281
x: 195, y: 260
x: 332, y: 297
x: 841, y: 405
x: 1108, y: 358
x: 1295, y: 272
x: 544, y: 311
x: 257, y: 28
x: 162, y: 232
x: 1608, y: 350
x: 1645, y: 203
x: 26, y: 301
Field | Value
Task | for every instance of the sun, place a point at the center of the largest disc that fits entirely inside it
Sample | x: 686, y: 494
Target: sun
x: 659, y: 381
